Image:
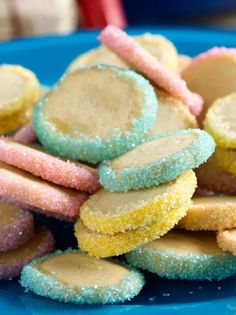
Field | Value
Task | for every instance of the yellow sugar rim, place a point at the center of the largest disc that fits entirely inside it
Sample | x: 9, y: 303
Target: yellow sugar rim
x: 176, y: 194
x: 227, y: 240
x: 105, y: 245
x: 227, y: 160
x: 210, y: 213
x: 14, y: 121
x: 28, y: 99
x: 220, y: 121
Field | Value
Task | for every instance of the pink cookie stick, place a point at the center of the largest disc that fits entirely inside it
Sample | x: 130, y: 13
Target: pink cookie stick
x: 26, y: 134
x: 122, y: 44
x: 13, y: 261
x: 48, y: 167
x: 33, y: 191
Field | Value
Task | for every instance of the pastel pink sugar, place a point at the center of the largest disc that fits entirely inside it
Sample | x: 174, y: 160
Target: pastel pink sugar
x: 33, y: 191
x: 17, y: 229
x: 215, y: 52
x: 13, y: 261
x: 46, y: 166
x: 131, y: 51
x: 25, y: 134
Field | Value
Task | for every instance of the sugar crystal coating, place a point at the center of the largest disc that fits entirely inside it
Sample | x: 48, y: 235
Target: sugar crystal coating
x: 210, y: 213
x: 92, y: 147
x: 46, y: 166
x: 48, y: 285
x: 118, y: 175
x: 110, y: 213
x: 184, y: 255
x: 12, y: 261
x: 17, y: 230
x: 122, y: 44
x: 33, y: 191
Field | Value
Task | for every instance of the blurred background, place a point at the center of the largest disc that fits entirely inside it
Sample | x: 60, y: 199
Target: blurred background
x: 20, y: 18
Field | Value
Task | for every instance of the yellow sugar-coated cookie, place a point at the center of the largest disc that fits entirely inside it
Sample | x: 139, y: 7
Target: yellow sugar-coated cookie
x: 220, y: 121
x: 106, y: 245
x: 183, y: 62
x: 212, y: 74
x: 227, y: 240
x: 159, y: 46
x: 226, y: 159
x: 210, y: 213
x: 110, y: 213
x: 171, y: 115
x: 14, y: 121
x: 19, y: 90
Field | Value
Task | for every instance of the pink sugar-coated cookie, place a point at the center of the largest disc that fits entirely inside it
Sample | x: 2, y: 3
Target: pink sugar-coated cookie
x: 16, y: 227
x: 12, y: 261
x: 212, y: 53
x: 46, y: 166
x: 128, y: 49
x: 33, y: 191
x: 25, y: 134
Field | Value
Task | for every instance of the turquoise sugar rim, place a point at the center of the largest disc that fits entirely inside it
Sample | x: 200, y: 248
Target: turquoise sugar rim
x: 47, y: 286
x: 187, y: 267
x: 98, y: 149
x: 161, y: 171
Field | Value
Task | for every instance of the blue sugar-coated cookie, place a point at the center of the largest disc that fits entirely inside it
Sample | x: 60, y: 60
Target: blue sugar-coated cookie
x: 161, y: 159
x: 75, y: 277
x: 185, y: 255
x: 96, y: 113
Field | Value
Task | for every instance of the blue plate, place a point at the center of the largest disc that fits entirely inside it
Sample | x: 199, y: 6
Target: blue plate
x: 48, y: 57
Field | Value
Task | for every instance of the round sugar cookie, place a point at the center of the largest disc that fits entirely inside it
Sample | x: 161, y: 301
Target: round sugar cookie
x: 226, y: 159
x: 33, y: 191
x: 172, y: 115
x: 16, y: 227
x: 210, y: 213
x: 19, y: 90
x: 157, y: 161
x: 212, y: 74
x: 157, y: 45
x: 183, y: 62
x: 110, y: 113
x: 220, y: 121
x: 46, y: 166
x: 26, y: 134
x: 12, y: 261
x: 184, y: 255
x: 212, y: 177
x: 75, y: 277
x: 110, y: 213
x: 131, y: 51
x: 227, y: 240
x: 106, y: 245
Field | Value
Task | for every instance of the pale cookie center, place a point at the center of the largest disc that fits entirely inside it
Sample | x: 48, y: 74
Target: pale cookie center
x: 11, y: 86
x: 185, y: 243
x: 23, y: 251
x: 81, y: 270
x: 7, y: 214
x: 153, y: 151
x: 169, y: 117
x: 90, y: 103
x: 118, y: 202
